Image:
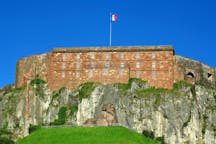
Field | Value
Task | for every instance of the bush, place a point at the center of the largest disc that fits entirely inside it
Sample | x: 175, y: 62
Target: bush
x: 5, y: 126
x: 5, y: 132
x: 34, y: 128
x: 73, y: 109
x: 57, y: 93
x: 61, y: 117
x: 37, y: 81
x: 6, y: 141
x: 86, y: 89
x: 149, y: 134
x: 161, y: 140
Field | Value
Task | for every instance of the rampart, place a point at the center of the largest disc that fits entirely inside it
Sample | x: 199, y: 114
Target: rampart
x: 69, y: 67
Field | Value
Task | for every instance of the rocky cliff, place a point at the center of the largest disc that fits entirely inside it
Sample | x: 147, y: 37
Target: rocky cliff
x: 184, y: 114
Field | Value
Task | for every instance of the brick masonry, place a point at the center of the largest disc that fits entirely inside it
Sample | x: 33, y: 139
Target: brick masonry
x: 70, y: 67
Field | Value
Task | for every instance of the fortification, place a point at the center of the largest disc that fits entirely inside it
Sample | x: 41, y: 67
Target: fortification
x: 69, y: 67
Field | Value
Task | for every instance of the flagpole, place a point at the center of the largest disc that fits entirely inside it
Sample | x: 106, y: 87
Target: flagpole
x: 110, y: 41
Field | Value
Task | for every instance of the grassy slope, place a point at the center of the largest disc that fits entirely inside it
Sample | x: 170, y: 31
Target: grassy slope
x: 85, y: 135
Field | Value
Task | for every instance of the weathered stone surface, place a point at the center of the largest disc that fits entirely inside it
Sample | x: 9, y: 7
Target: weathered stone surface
x: 185, y: 115
x: 194, y: 71
x: 106, y: 117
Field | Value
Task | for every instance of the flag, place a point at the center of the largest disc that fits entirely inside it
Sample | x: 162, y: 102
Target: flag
x: 114, y: 17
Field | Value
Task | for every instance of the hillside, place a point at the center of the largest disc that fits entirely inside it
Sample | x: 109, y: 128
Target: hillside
x: 184, y: 114
x: 85, y: 135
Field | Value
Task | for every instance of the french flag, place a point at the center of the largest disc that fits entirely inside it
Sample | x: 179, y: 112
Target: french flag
x: 114, y: 17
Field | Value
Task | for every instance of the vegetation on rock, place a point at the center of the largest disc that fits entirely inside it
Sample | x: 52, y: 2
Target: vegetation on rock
x: 126, y: 86
x: 38, y: 85
x: 5, y: 137
x: 150, y: 134
x: 33, y: 128
x: 73, y: 109
x: 61, y: 117
x: 37, y: 81
x: 86, y: 89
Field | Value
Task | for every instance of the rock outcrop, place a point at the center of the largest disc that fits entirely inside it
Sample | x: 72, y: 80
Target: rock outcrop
x: 185, y: 114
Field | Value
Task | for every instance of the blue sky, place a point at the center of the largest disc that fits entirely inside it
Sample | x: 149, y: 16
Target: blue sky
x: 30, y: 27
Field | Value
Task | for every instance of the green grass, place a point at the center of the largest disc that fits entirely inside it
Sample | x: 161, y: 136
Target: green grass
x: 86, y: 135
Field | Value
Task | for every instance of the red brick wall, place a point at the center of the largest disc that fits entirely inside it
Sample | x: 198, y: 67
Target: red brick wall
x: 71, y: 68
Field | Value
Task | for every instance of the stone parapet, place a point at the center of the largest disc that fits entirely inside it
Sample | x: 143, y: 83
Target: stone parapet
x: 114, y: 49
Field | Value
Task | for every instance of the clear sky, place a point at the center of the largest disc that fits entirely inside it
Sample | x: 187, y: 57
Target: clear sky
x: 30, y: 27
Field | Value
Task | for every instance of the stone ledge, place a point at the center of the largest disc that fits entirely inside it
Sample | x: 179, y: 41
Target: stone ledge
x: 114, y: 49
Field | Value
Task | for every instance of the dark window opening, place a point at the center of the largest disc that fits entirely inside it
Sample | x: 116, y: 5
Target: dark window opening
x: 190, y: 75
x: 209, y: 75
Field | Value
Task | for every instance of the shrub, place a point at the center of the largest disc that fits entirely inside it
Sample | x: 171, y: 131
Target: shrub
x: 57, y: 93
x: 149, y: 134
x: 33, y: 128
x: 86, y: 89
x: 61, y: 89
x: 61, y: 117
x: 161, y: 140
x: 5, y: 132
x: 6, y: 141
x: 5, y: 126
x: 37, y: 81
x: 73, y: 109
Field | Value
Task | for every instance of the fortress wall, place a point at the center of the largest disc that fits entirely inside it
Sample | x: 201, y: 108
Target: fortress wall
x: 30, y: 67
x: 194, y: 71
x: 71, y: 67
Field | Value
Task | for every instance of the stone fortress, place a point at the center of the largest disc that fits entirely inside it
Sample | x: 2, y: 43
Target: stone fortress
x: 70, y: 67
